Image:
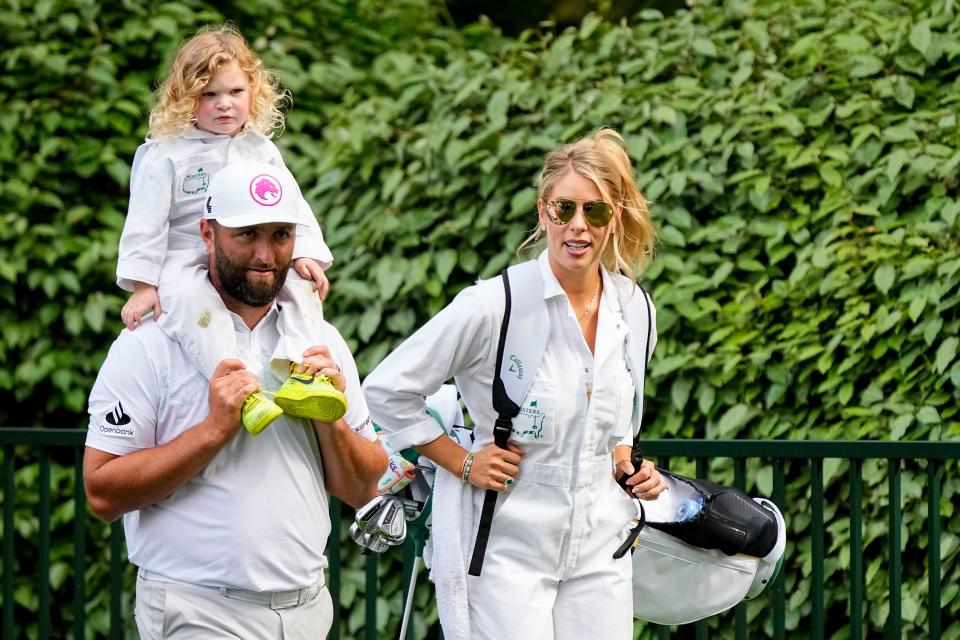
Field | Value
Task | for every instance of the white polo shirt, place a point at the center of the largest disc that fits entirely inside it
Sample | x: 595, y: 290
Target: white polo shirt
x: 257, y: 516
x: 168, y: 190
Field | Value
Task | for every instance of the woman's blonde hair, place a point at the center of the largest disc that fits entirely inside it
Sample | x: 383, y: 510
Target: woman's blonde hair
x: 193, y: 68
x: 601, y: 157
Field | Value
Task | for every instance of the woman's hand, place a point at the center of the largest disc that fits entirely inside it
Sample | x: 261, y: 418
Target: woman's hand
x: 496, y: 468
x: 645, y: 484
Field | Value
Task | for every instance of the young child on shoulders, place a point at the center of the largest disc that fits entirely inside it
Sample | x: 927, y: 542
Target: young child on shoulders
x: 217, y: 105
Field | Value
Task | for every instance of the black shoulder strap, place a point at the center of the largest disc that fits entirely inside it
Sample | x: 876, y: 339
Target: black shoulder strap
x: 502, y: 403
x: 646, y: 299
x: 637, y: 457
x: 506, y: 410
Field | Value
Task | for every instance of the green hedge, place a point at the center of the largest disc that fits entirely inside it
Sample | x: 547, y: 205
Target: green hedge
x: 802, y: 159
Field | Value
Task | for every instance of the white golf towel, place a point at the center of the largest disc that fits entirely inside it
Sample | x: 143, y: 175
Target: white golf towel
x: 448, y: 548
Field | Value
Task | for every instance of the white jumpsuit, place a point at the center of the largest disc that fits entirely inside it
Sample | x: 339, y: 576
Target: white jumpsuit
x: 549, y: 570
x: 161, y: 245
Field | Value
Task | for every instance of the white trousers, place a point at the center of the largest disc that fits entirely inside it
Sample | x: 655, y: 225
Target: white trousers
x: 195, y: 316
x: 549, y: 571
x: 189, y: 612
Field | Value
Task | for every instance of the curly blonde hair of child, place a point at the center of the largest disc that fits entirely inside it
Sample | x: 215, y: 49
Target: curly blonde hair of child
x: 193, y: 68
x: 602, y: 158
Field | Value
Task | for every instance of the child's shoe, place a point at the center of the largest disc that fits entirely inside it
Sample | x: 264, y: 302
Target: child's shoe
x: 258, y: 412
x: 311, y: 396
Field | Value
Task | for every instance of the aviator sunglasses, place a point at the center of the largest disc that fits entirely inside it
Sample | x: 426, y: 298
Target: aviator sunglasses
x: 596, y: 212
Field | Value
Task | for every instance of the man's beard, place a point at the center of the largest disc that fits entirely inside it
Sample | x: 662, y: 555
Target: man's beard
x: 233, y: 280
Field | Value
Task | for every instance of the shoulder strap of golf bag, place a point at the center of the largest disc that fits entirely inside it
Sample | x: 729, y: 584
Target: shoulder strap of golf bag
x: 525, y: 328
x: 637, y: 457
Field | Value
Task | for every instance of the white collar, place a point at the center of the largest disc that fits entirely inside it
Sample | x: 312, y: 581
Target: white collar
x: 552, y: 288
x: 240, y: 325
x: 194, y: 133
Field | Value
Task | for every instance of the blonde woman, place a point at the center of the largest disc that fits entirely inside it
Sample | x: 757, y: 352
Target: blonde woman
x: 218, y: 104
x: 548, y: 571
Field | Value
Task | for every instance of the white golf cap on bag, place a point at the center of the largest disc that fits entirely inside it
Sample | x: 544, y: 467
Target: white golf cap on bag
x: 675, y: 582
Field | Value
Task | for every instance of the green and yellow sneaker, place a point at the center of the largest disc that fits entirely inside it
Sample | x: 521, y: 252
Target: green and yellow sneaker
x: 311, y: 396
x: 258, y: 412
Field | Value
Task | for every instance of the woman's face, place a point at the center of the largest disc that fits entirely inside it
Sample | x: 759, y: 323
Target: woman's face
x: 574, y: 248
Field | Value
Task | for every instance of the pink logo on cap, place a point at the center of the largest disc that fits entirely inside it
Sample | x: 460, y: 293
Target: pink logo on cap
x: 266, y: 190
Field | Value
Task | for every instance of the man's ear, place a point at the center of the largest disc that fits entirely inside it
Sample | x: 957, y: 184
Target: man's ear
x: 207, y: 231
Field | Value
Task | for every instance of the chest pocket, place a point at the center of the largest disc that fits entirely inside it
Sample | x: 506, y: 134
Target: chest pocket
x: 537, y: 421
x: 192, y: 180
x: 613, y: 407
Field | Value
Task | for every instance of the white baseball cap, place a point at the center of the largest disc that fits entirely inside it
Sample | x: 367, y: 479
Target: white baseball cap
x: 248, y: 193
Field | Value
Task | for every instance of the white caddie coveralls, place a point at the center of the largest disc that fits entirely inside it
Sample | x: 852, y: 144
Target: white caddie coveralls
x: 549, y: 570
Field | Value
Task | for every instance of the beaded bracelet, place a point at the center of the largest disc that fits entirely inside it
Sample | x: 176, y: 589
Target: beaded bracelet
x: 465, y: 470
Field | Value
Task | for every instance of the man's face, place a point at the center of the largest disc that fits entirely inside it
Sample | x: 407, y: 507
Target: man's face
x: 250, y: 263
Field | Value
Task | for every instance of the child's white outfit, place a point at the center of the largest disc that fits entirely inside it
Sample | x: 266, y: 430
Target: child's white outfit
x: 161, y: 245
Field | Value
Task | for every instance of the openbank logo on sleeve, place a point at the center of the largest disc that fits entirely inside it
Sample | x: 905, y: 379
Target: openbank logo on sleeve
x: 116, y: 420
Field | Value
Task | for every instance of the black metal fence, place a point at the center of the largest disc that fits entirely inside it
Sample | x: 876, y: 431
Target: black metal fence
x: 40, y: 445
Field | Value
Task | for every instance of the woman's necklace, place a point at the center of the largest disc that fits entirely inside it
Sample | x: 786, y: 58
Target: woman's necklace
x: 592, y: 300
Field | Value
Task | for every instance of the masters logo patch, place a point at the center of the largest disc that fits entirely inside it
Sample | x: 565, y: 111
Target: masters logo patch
x: 196, y: 181
x: 529, y: 422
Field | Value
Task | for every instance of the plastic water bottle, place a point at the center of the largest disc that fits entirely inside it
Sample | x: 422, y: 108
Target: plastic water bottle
x: 689, y: 509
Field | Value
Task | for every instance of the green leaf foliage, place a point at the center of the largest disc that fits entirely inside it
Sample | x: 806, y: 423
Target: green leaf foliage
x: 802, y: 159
